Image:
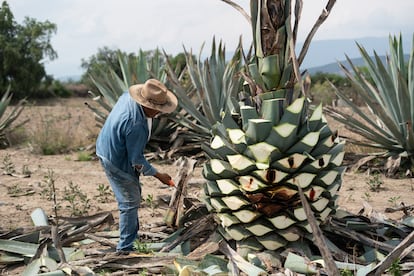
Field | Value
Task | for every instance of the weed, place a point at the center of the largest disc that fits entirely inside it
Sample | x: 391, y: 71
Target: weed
x: 55, y: 134
x: 84, y: 156
x: 8, y: 165
x: 14, y: 190
x: 367, y: 197
x: 346, y: 272
x: 393, y: 200
x: 395, y: 268
x: 105, y: 194
x: 144, y: 272
x: 375, y: 182
x: 26, y: 171
x: 78, y: 200
x: 151, y: 203
x: 47, y: 188
x: 142, y: 247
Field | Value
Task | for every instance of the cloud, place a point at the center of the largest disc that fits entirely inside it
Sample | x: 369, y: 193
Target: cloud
x: 130, y: 25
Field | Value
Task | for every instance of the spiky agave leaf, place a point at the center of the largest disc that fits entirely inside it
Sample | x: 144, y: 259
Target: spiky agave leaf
x: 8, y: 118
x: 387, y: 126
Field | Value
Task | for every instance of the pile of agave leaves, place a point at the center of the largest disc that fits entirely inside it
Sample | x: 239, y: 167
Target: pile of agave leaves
x: 191, y: 242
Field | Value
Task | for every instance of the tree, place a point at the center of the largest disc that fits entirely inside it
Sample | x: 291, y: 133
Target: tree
x: 23, y: 51
x: 104, y: 59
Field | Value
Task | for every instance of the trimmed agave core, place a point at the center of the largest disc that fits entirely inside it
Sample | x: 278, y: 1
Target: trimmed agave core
x: 254, y: 173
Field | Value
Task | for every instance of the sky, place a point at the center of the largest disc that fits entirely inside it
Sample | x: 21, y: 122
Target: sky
x: 84, y: 26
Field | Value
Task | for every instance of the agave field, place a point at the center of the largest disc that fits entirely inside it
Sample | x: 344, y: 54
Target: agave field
x: 88, y: 213
x: 265, y: 181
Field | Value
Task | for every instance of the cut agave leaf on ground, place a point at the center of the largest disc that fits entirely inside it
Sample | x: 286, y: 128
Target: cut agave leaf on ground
x: 299, y: 264
x: 39, y: 217
x: 10, y: 259
x: 34, y: 268
x: 17, y: 247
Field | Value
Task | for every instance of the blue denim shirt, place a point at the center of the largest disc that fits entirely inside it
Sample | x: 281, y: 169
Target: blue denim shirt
x: 123, y: 138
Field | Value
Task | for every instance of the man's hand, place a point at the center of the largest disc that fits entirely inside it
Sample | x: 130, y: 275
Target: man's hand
x: 164, y: 178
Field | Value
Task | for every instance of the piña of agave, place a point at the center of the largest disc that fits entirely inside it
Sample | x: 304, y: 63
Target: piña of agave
x: 255, y: 170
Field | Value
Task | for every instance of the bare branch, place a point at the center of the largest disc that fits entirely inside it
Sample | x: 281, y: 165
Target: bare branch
x: 240, y: 9
x: 325, y: 13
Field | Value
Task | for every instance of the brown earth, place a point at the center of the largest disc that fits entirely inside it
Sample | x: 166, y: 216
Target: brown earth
x: 20, y: 196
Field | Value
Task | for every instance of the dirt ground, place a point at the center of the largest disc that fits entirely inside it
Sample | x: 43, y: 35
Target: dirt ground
x: 20, y: 196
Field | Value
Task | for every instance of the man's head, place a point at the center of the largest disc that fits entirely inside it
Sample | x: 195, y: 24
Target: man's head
x: 154, y: 95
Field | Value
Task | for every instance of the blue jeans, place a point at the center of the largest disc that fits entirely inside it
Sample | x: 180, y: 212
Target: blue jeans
x: 127, y: 190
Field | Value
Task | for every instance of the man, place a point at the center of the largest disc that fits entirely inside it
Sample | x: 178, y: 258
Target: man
x: 120, y: 148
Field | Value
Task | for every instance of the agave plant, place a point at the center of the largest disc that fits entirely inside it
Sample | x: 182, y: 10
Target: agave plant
x: 388, y: 92
x: 6, y: 119
x: 214, y: 84
x: 135, y: 69
x: 275, y: 145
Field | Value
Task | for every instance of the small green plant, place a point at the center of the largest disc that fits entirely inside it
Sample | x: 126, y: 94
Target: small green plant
x: 26, y: 171
x: 47, y: 185
x: 144, y: 272
x: 79, y: 202
x: 105, y: 194
x: 375, y: 182
x: 346, y: 272
x: 367, y: 197
x: 142, y: 247
x: 8, y: 165
x: 14, y: 190
x: 395, y: 268
x: 393, y: 200
x: 84, y: 156
x: 151, y: 203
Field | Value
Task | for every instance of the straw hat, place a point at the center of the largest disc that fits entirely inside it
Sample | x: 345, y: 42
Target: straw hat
x: 153, y: 94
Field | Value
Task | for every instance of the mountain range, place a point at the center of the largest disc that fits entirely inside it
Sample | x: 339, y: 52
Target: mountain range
x: 324, y: 55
